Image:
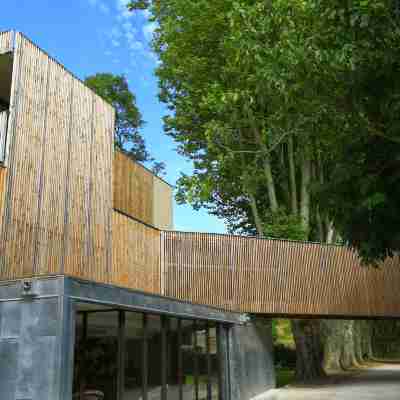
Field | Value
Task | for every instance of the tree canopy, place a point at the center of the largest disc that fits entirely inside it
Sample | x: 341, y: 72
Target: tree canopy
x: 277, y: 104
x: 127, y: 137
x: 288, y: 110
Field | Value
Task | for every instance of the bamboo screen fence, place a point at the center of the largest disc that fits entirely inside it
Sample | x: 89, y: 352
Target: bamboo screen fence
x: 277, y: 277
x: 57, y: 195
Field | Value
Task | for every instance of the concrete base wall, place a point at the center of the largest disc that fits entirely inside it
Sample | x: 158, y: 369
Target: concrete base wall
x: 251, y: 360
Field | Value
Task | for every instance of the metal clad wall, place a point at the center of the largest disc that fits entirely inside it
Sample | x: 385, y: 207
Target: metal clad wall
x: 277, y: 277
x: 58, y: 200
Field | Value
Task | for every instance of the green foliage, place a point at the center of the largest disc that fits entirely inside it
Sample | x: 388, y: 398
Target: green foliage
x: 284, y: 225
x: 127, y: 138
x: 284, y: 376
x: 243, y: 77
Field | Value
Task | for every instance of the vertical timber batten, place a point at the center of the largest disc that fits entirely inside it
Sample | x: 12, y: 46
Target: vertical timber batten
x: 42, y: 230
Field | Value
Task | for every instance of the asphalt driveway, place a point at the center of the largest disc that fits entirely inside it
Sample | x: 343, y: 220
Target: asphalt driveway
x: 376, y: 383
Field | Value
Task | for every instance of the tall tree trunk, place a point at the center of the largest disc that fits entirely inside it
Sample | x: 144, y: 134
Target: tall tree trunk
x: 306, y: 334
x: 305, y: 193
x: 269, y: 178
x: 292, y: 177
x: 256, y: 214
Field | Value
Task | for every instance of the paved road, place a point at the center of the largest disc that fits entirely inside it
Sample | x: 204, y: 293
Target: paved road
x: 376, y: 383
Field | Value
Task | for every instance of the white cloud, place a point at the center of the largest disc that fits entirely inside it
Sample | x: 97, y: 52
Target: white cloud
x: 115, y: 33
x: 136, y: 45
x: 148, y: 30
x: 123, y: 10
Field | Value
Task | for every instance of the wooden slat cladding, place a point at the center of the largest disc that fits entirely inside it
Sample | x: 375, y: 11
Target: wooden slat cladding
x: 277, y: 277
x: 133, y: 188
x: 58, y: 202
x: 140, y: 194
x: 162, y: 205
x: 136, y: 255
x: 6, y: 41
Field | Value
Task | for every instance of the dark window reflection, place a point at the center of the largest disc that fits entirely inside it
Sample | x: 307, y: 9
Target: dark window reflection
x: 144, y: 357
x: 96, y: 355
x: 133, y: 356
x: 154, y: 377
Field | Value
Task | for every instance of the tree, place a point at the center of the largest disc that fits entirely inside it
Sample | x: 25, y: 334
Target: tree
x: 262, y: 96
x: 127, y: 137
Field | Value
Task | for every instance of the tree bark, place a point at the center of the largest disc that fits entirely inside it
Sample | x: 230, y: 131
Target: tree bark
x: 292, y: 177
x: 305, y: 192
x: 306, y: 334
x: 256, y: 215
x: 273, y: 202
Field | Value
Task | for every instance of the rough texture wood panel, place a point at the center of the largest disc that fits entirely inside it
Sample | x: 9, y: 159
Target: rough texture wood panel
x: 6, y: 41
x: 3, y: 177
x: 162, y: 204
x: 58, y: 200
x: 133, y: 188
x: 277, y: 277
x: 136, y: 255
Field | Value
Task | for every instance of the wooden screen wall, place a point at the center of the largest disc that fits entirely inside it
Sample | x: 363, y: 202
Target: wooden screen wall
x: 140, y: 194
x: 136, y: 255
x: 277, y: 277
x: 58, y: 202
x: 6, y: 41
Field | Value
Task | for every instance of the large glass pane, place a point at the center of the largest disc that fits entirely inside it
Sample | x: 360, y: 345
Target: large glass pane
x: 154, y: 343
x: 214, y: 361
x: 174, y: 361
x: 201, y: 359
x: 133, y: 356
x: 96, y: 353
x: 188, y: 354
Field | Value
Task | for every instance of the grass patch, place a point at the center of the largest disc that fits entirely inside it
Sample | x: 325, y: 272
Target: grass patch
x: 284, y: 376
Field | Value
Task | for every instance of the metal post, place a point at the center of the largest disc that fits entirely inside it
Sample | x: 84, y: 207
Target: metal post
x: 164, y: 357
x: 121, y: 355
x: 209, y: 363
x: 180, y: 360
x: 196, y: 362
x: 145, y: 358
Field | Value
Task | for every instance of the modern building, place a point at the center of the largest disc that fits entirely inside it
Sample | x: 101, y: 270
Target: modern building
x: 81, y: 304
x: 99, y: 296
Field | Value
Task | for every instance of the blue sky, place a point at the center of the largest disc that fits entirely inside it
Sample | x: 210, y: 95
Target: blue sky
x: 90, y: 36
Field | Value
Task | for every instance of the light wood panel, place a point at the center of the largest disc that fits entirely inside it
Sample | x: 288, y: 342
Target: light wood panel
x: 136, y: 255
x: 6, y: 41
x: 140, y: 194
x: 278, y: 277
x: 58, y: 202
x: 133, y: 188
x: 162, y: 205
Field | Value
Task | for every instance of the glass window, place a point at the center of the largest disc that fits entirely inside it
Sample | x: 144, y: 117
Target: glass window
x: 214, y: 361
x: 153, y: 358
x: 154, y: 350
x: 188, y: 354
x: 174, y: 361
x: 133, y: 356
x: 96, y: 353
